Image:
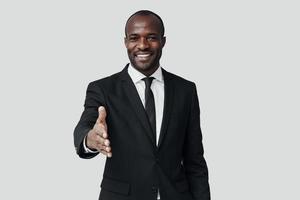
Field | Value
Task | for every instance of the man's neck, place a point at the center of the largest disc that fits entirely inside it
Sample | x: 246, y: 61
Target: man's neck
x: 150, y: 71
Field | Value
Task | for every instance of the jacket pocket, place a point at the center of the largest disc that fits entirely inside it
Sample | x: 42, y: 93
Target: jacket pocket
x: 182, y: 186
x: 115, y: 186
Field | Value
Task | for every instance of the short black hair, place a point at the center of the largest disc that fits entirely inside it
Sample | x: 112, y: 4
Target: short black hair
x: 145, y: 13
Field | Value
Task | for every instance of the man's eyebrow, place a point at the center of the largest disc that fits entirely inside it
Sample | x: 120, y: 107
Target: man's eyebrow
x: 132, y: 34
x: 153, y: 34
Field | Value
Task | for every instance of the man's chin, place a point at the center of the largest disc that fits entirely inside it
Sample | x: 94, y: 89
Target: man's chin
x: 142, y: 66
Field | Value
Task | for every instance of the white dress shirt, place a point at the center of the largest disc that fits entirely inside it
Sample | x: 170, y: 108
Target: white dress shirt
x: 157, y: 88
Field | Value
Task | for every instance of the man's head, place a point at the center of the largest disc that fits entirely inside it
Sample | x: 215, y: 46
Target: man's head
x: 144, y: 40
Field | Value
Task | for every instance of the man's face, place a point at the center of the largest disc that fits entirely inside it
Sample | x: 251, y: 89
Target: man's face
x: 144, y: 42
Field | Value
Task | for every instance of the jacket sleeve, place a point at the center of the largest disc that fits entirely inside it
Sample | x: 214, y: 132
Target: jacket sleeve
x: 94, y: 99
x: 194, y: 162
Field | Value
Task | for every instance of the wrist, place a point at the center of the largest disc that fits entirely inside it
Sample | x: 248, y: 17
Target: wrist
x: 87, y: 149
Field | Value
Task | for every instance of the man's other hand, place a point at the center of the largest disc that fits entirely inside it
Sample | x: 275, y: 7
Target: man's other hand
x: 97, y: 138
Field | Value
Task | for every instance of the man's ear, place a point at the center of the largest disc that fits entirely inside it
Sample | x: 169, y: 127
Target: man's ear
x: 163, y: 41
x: 125, y: 41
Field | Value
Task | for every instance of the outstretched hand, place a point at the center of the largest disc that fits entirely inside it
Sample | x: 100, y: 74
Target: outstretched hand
x: 97, y: 137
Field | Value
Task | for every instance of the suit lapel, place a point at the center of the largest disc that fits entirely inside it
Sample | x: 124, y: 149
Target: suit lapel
x: 168, y: 104
x: 136, y: 103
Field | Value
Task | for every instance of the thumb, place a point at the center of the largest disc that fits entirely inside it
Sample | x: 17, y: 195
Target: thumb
x: 101, y: 114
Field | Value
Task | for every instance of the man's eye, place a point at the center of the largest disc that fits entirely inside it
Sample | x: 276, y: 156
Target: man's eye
x: 152, y: 38
x: 133, y: 39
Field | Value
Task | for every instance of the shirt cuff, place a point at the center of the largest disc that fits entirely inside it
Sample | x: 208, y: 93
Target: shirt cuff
x: 86, y: 149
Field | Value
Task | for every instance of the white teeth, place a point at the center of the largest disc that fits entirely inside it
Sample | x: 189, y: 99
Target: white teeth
x: 143, y: 55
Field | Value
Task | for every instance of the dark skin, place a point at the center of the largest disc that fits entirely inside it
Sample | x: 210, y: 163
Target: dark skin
x: 144, y: 42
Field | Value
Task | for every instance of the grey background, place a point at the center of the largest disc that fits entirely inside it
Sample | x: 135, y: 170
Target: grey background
x: 243, y: 56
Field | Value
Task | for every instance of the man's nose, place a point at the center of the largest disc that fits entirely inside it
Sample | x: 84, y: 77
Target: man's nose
x: 143, y: 44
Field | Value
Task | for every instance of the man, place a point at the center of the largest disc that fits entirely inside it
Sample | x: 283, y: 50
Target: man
x: 146, y: 121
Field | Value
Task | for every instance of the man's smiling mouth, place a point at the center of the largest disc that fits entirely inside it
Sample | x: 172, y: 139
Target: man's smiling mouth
x: 142, y: 56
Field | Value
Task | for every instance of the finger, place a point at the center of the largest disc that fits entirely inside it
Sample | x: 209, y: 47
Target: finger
x: 105, y: 135
x: 106, y: 142
x: 109, y: 155
x: 103, y: 143
x: 101, y: 140
x: 107, y: 149
x: 104, y: 148
x: 101, y: 115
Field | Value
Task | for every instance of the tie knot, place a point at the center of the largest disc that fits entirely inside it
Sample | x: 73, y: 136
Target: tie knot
x: 148, y: 81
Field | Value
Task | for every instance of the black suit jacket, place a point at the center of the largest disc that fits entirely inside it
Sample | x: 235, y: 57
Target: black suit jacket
x: 138, y: 166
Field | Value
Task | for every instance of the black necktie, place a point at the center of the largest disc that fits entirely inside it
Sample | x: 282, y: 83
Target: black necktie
x: 149, y: 104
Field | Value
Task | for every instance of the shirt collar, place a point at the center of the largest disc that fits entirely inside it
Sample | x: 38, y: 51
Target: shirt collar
x: 137, y: 76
